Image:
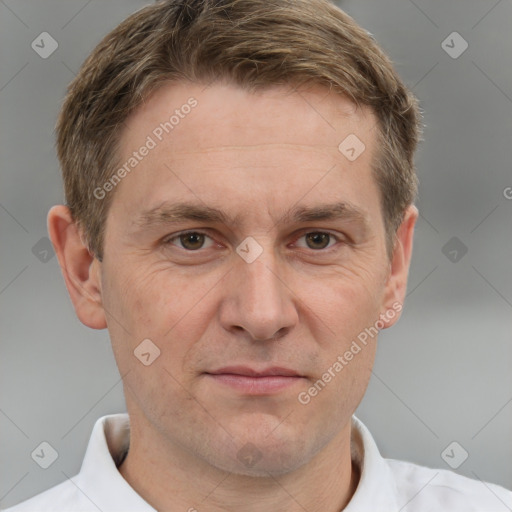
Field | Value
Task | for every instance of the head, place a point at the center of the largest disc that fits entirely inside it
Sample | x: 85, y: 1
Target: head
x: 279, y: 136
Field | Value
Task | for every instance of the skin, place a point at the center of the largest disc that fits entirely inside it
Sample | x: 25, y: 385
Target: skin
x: 253, y: 156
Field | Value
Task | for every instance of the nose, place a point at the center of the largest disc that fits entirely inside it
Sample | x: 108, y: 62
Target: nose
x: 258, y: 299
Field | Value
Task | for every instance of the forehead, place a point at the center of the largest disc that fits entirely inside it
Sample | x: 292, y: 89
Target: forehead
x: 191, y: 116
x: 264, y: 148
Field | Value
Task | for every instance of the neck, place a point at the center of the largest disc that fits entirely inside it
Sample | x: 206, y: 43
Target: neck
x: 161, y: 474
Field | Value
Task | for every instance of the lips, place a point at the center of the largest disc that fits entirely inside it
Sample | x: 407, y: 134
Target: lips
x: 252, y: 381
x: 251, y: 372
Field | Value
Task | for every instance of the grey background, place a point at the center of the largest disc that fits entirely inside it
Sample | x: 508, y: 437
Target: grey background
x: 442, y: 374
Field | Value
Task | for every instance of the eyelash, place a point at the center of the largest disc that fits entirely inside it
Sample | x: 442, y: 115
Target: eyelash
x: 338, y: 239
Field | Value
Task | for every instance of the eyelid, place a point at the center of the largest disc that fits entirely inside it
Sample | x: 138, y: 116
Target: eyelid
x: 336, y: 236
x: 342, y: 242
x: 169, y: 238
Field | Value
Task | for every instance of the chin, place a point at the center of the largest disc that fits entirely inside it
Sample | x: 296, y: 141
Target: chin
x: 263, y: 454
x: 264, y: 464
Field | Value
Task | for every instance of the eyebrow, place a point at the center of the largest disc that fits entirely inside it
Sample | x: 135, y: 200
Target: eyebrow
x: 172, y: 213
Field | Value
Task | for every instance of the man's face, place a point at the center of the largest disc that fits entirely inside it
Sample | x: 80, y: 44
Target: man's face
x: 259, y: 291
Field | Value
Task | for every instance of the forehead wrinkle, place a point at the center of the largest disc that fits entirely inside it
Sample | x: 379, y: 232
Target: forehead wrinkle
x: 255, y: 147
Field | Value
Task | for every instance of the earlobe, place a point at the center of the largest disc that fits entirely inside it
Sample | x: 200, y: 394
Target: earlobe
x: 79, y: 267
x: 396, y: 285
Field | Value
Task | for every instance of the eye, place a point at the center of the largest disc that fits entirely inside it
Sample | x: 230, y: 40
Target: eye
x: 318, y: 240
x: 192, y: 241
x: 189, y: 240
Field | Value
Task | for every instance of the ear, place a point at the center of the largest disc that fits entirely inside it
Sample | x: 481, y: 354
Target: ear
x: 396, y: 285
x: 81, y: 270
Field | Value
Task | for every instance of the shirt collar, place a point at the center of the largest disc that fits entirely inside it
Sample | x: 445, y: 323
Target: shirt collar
x: 100, y: 481
x: 376, y: 489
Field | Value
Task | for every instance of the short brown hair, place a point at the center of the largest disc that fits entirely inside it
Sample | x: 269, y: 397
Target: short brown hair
x: 252, y: 43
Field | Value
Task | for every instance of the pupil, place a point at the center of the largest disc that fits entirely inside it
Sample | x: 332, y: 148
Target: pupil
x: 319, y: 238
x: 197, y: 240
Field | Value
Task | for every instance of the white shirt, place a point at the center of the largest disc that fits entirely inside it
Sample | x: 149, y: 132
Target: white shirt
x: 385, y: 485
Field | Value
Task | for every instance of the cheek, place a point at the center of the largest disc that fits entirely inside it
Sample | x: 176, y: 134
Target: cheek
x: 347, y: 306
x: 153, y: 306
x: 161, y: 305
x: 346, y: 302
x: 350, y: 311
x: 147, y: 298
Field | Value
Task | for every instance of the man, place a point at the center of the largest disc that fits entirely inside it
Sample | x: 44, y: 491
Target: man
x: 240, y: 183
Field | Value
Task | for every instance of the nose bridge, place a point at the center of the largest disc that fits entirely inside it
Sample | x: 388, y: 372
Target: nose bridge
x: 260, y: 282
x: 262, y: 302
